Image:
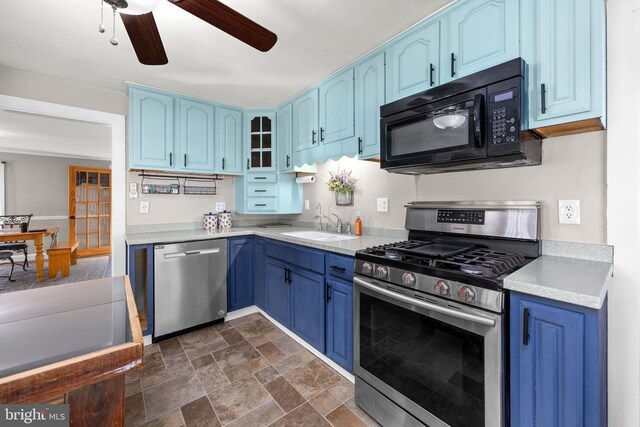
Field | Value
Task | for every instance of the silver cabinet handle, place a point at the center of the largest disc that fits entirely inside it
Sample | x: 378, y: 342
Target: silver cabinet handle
x: 426, y: 305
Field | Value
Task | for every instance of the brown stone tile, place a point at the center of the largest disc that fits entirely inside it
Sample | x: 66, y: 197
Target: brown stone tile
x: 342, y: 390
x: 201, y: 361
x: 134, y: 412
x: 222, y: 326
x: 287, y: 397
x: 272, y: 353
x: 132, y: 387
x: 173, y: 367
x: 256, y: 341
x: 245, y: 319
x: 152, y: 363
x: 343, y: 417
x: 211, y: 376
x: 303, y: 416
x: 198, y: 338
x: 151, y: 348
x: 324, y: 403
x: 172, y: 419
x: 351, y: 404
x: 171, y: 395
x: 256, y: 328
x: 199, y: 413
x: 294, y: 361
x: 246, y: 368
x: 215, y: 345
x: 260, y: 417
x: 288, y: 345
x: 267, y: 374
x: 235, y: 355
x: 231, y: 336
x: 171, y: 348
x: 238, y: 398
x: 312, y: 378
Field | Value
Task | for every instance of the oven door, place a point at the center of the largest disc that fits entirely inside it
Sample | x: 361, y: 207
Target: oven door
x: 438, y: 360
x: 445, y: 131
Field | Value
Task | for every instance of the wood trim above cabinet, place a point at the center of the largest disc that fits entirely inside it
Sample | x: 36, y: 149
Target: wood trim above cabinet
x: 572, y: 128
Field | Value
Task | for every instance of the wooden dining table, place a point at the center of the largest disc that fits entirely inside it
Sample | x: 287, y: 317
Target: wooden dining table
x: 38, y: 241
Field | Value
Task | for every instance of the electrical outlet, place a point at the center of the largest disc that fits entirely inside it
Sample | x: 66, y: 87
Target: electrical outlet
x: 306, y: 205
x: 220, y: 206
x: 569, y: 211
x: 383, y: 204
x: 144, y: 207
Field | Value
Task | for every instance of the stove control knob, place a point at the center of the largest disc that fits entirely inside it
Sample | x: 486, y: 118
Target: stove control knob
x: 467, y: 294
x: 381, y: 272
x: 441, y: 287
x: 408, y: 279
x: 366, y: 268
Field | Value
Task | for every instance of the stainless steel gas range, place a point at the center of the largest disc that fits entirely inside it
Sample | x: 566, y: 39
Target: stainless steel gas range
x: 430, y: 314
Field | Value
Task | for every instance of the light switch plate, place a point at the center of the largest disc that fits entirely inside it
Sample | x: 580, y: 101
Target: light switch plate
x: 220, y: 206
x: 133, y: 190
x: 306, y: 205
x: 144, y: 206
x: 383, y: 204
x: 569, y: 211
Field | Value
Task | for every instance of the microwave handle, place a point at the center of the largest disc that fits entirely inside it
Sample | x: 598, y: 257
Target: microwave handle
x: 477, y: 120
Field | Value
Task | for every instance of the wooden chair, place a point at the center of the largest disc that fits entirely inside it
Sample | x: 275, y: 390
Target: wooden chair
x: 61, y: 256
x: 8, y: 222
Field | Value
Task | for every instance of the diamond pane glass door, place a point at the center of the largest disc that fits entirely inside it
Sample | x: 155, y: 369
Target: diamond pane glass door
x: 90, y: 210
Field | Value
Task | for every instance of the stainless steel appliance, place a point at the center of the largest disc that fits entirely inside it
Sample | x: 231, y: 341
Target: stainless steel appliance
x: 430, y: 314
x: 190, y: 285
x: 475, y: 122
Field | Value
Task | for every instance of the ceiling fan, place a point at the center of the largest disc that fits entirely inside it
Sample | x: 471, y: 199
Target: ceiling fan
x: 138, y: 20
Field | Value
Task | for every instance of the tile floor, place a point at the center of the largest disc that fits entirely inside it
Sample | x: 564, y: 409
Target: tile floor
x: 245, y: 372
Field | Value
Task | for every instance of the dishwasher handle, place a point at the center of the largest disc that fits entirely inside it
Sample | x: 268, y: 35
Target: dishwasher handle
x: 191, y: 253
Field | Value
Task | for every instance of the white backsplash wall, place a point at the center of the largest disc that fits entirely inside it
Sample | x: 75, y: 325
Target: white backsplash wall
x: 573, y: 167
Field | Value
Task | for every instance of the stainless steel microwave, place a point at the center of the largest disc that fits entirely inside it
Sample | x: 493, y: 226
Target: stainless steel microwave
x: 475, y: 122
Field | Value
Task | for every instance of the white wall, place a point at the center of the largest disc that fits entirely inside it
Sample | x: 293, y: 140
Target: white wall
x: 623, y: 213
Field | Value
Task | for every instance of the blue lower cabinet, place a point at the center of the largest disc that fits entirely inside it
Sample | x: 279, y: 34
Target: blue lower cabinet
x: 260, y: 273
x: 278, y: 292
x: 339, y: 345
x: 240, y: 289
x: 140, y: 272
x: 307, y: 307
x: 558, y: 363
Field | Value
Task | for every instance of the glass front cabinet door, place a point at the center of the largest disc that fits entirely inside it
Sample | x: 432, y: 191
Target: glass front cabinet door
x: 261, y: 146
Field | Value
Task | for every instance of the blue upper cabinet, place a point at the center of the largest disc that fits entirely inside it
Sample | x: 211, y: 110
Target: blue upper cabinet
x: 413, y: 62
x: 370, y: 95
x: 285, y: 141
x: 196, y: 136
x: 261, y: 140
x: 562, y: 42
x: 229, y: 141
x: 558, y: 364
x: 336, y: 108
x: 151, y: 130
x: 479, y: 34
x: 306, y: 140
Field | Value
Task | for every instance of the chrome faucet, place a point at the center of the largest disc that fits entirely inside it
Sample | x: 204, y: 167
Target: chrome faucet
x: 319, y: 216
x: 337, y: 223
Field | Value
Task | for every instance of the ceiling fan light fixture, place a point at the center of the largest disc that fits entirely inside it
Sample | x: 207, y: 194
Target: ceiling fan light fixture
x: 135, y: 7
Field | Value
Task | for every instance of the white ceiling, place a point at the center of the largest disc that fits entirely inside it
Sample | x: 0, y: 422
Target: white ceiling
x: 315, y: 38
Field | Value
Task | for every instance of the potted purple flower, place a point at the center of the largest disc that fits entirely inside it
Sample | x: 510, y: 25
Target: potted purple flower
x: 342, y: 184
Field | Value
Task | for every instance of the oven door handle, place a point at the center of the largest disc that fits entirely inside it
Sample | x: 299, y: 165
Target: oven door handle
x: 426, y: 305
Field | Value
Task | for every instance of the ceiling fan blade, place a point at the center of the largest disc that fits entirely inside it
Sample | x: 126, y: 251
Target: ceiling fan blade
x: 231, y: 22
x: 145, y: 38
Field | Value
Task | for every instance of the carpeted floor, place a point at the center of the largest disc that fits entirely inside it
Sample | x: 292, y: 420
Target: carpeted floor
x: 85, y: 269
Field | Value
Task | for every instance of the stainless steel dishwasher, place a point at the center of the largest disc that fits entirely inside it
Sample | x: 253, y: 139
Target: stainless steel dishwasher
x: 190, y: 284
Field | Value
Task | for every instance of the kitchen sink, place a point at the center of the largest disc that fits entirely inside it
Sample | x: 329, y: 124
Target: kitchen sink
x: 319, y: 236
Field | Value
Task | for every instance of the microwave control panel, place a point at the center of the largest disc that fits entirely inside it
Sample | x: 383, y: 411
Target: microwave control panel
x: 459, y: 216
x: 505, y: 117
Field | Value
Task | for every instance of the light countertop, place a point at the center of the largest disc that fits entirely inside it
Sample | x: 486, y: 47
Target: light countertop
x: 574, y: 281
x: 345, y: 247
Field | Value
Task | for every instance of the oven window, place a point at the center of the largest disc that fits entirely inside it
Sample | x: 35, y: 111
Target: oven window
x: 438, y: 366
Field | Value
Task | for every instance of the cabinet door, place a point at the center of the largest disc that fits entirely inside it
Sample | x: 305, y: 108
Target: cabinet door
x: 336, y: 108
x: 560, y: 62
x: 481, y: 33
x: 260, y: 273
x: 151, y: 134
x: 308, y: 307
x: 140, y: 271
x: 240, y: 273
x: 261, y: 134
x: 305, y: 121
x: 285, y: 141
x: 369, y: 98
x: 413, y: 62
x: 340, y: 323
x: 547, y: 369
x: 196, y: 137
x: 278, y: 293
x: 229, y: 141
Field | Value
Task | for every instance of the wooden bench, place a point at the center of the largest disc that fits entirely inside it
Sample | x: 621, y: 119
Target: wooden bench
x: 61, y: 256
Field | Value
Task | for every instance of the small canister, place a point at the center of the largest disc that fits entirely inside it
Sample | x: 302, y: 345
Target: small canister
x: 210, y: 221
x: 224, y: 219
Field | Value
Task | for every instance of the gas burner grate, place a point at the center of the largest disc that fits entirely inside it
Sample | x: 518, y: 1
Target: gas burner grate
x: 482, y: 262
